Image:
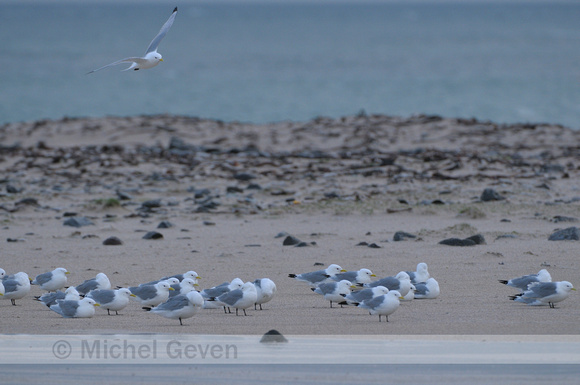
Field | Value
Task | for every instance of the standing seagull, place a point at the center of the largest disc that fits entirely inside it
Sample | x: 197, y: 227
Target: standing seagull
x: 53, y: 280
x: 334, y: 291
x: 152, y: 295
x: 17, y: 287
x: 111, y: 299
x: 400, y: 282
x: 179, y: 307
x: 241, y: 298
x: 265, y: 290
x: 385, y: 304
x: 314, y: 278
x: 101, y: 281
x: 360, y: 276
x: 218, y: 290
x: 152, y: 57
x: 544, y: 293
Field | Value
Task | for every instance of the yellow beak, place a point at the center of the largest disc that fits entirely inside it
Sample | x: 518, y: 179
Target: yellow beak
x: 160, y: 59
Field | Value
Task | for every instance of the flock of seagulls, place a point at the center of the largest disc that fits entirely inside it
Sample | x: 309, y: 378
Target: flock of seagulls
x: 381, y: 297
x: 173, y: 297
x: 177, y: 297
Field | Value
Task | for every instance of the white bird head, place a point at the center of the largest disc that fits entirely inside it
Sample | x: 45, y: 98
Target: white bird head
x: 154, y: 56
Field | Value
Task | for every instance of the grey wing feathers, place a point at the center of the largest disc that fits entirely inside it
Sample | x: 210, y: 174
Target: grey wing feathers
x: 87, y: 286
x: 231, y: 297
x: 349, y: 276
x: 144, y: 292
x: 420, y: 289
x: 162, y: 32
x: 523, y: 282
x: 389, y: 282
x: 43, y: 278
x: 175, y: 303
x: 325, y: 288
x: 541, y: 290
x: 360, y: 296
x: 315, y: 276
x: 102, y: 296
x: 68, y: 308
x: 374, y: 302
x: 11, y: 285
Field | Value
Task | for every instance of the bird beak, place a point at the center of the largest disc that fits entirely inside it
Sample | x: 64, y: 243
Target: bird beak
x: 198, y: 277
x: 132, y: 295
x: 401, y: 297
x: 196, y: 284
x: 161, y: 59
x: 171, y: 289
x: 343, y: 271
x: 67, y: 272
x: 574, y: 289
x: 97, y: 304
x: 373, y: 275
x: 353, y: 287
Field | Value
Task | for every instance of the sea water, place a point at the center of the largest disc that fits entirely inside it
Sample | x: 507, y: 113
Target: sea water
x: 258, y: 62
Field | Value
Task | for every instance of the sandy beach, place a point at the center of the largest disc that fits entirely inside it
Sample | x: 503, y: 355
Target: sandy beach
x: 228, y: 190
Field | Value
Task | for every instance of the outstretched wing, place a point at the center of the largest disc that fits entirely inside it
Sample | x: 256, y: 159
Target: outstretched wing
x: 157, y: 39
x: 137, y: 60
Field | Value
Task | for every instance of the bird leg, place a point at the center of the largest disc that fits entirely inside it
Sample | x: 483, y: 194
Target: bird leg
x: 181, y: 323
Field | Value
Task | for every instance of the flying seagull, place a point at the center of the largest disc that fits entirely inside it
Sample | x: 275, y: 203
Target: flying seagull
x: 152, y: 57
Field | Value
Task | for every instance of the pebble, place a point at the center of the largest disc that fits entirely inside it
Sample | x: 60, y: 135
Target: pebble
x: 112, y: 241
x: 78, y: 222
x: 291, y: 241
x: 273, y: 336
x: 164, y: 225
x: 490, y: 194
x: 457, y: 242
x: 402, y: 236
x: 153, y: 235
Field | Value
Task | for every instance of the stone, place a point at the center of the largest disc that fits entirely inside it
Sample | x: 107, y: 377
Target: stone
x: 78, y: 222
x: 490, y: 194
x: 273, y: 336
x: 457, y: 242
x: 291, y: 241
x: 112, y: 241
x: 402, y: 236
x: 477, y: 238
x: 153, y: 235
x: 164, y: 225
x: 569, y: 234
